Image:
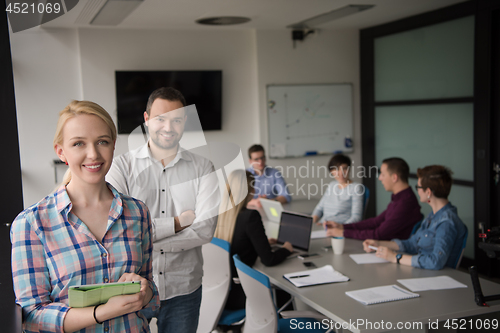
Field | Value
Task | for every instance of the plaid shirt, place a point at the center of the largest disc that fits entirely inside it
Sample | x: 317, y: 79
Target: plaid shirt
x: 52, y: 249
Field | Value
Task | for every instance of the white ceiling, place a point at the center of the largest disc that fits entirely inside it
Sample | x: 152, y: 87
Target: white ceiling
x: 264, y: 14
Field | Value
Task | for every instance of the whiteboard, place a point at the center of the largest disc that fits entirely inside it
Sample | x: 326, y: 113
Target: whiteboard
x: 309, y: 119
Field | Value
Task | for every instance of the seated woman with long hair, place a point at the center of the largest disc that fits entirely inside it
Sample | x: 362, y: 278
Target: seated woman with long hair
x: 244, y: 230
x: 83, y: 233
x: 439, y: 240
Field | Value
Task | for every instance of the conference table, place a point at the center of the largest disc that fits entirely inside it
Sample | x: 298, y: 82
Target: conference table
x: 415, y: 314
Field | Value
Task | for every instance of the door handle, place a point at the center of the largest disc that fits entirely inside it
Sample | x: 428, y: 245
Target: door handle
x: 496, y: 170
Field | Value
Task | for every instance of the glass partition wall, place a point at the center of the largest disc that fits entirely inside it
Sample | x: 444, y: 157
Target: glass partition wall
x: 421, y: 107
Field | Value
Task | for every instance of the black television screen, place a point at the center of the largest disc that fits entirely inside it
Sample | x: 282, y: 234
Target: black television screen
x: 201, y: 88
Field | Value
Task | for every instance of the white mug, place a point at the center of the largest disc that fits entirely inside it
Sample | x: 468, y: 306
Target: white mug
x: 338, y: 245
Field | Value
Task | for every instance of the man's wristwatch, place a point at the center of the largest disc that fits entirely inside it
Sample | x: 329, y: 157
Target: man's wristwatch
x: 398, y: 257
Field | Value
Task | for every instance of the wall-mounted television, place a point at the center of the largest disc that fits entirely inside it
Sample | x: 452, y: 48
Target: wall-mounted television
x: 202, y: 88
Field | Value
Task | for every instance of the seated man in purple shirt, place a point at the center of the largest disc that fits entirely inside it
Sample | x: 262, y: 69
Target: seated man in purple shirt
x: 402, y: 213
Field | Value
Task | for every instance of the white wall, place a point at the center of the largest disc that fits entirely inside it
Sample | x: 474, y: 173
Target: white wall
x: 324, y: 57
x: 104, y: 51
x: 56, y: 66
x: 46, y: 78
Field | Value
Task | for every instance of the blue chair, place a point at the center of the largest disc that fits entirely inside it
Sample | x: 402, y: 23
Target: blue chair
x: 416, y: 226
x: 232, y: 318
x: 365, y: 201
x: 216, y: 283
x: 261, y: 314
x: 464, y: 243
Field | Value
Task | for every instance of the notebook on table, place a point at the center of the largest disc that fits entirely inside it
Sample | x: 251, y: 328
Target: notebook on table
x: 313, y: 277
x: 295, y: 228
x: 431, y: 283
x: 381, y: 294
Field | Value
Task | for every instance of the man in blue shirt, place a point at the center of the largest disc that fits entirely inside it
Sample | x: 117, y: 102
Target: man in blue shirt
x: 269, y: 182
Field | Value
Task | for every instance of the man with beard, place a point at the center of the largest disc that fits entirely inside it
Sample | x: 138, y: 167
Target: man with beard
x: 181, y: 190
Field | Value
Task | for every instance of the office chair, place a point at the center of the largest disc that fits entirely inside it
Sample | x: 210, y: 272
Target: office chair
x: 261, y: 314
x: 416, y: 226
x: 366, y: 197
x: 216, y: 283
x: 491, y: 245
x: 464, y: 243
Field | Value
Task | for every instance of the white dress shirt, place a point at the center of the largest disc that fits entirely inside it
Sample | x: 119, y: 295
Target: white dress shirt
x: 188, y: 182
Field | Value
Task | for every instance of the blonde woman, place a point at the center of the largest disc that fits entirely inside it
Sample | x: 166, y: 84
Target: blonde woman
x: 83, y: 233
x: 244, y: 230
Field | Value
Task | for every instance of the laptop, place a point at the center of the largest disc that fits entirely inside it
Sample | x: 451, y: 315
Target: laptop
x: 296, y: 229
x: 273, y: 209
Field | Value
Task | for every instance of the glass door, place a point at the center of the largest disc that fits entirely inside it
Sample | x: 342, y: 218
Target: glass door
x: 424, y: 107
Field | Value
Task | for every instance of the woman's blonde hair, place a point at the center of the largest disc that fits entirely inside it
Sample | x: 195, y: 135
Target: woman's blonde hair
x: 74, y: 109
x: 239, y: 189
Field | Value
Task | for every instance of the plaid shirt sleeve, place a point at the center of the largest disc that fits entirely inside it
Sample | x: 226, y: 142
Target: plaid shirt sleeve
x: 147, y: 257
x: 31, y: 278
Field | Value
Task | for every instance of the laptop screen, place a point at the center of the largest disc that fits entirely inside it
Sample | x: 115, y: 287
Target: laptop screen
x: 296, y: 229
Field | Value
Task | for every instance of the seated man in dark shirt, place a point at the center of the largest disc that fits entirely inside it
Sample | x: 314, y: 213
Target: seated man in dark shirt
x: 402, y: 213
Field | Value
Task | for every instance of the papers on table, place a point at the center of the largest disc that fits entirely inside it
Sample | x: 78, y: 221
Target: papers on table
x: 318, y: 234
x: 312, y: 277
x: 431, y: 283
x: 367, y: 258
x: 381, y: 294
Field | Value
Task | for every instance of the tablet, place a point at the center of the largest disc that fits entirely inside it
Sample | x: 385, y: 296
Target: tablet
x: 85, y: 295
x: 272, y: 208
